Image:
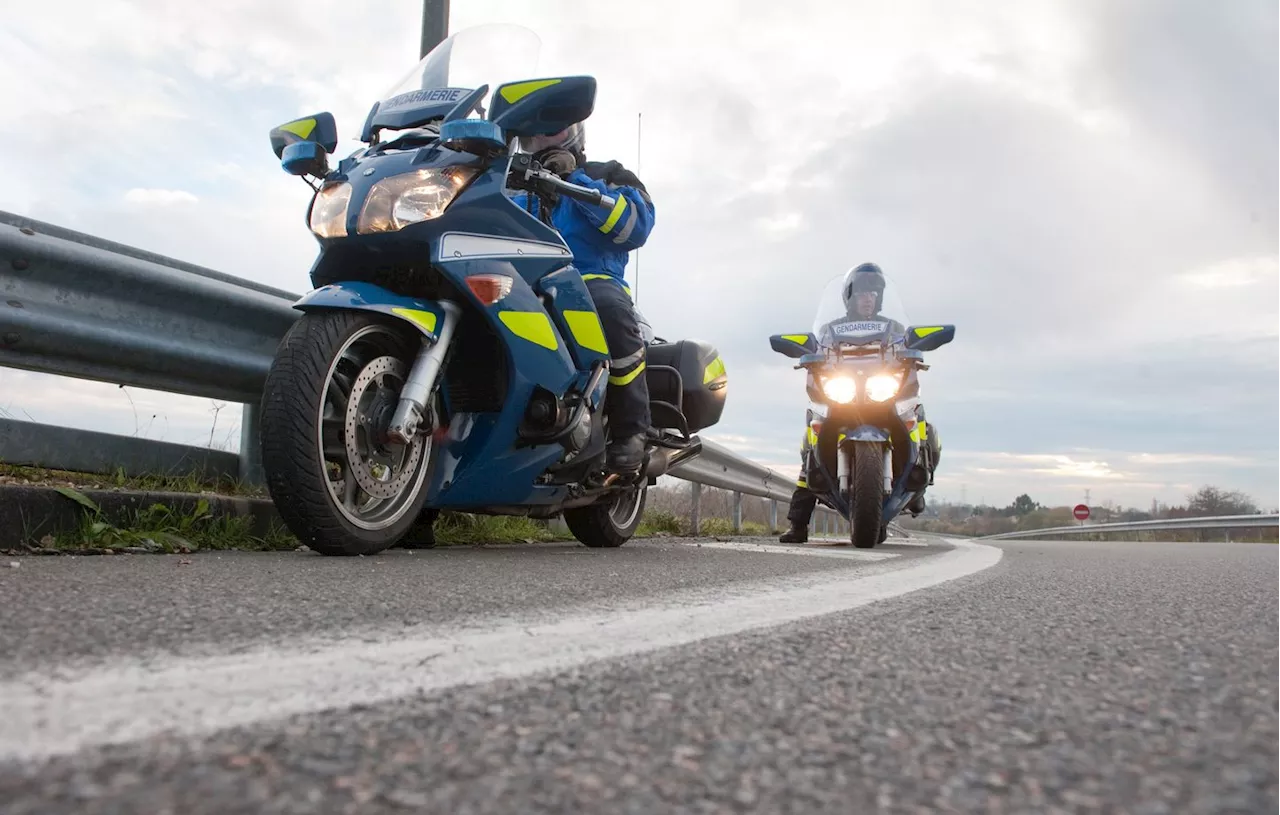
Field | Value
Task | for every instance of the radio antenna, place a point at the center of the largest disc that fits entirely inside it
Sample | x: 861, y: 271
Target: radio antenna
x: 637, y: 286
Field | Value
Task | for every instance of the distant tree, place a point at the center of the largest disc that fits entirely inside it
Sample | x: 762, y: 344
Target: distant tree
x: 1023, y: 505
x: 1210, y: 500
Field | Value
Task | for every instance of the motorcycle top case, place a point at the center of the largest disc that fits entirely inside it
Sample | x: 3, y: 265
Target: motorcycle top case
x: 702, y: 383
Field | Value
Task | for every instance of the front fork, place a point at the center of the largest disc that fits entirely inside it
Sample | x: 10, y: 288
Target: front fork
x: 422, y: 378
x: 845, y: 469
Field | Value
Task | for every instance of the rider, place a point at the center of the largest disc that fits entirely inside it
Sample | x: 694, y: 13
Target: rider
x: 600, y: 239
x: 863, y: 298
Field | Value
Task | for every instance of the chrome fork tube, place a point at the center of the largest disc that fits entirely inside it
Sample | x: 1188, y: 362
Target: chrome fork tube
x: 422, y: 379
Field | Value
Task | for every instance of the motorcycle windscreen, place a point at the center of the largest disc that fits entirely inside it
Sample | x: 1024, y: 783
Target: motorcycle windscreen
x: 492, y: 54
x: 867, y: 317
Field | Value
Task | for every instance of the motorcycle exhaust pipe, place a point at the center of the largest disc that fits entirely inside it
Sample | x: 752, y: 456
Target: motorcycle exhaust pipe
x: 662, y: 459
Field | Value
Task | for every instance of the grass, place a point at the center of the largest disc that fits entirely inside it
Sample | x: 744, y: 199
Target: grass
x: 461, y: 528
x: 192, y: 482
x: 161, y: 529
x: 661, y: 523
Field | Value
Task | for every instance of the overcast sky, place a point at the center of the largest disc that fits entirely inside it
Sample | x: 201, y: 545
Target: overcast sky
x: 1088, y: 190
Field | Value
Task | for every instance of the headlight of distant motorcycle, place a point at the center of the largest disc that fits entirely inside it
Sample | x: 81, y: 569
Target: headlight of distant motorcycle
x: 840, y: 389
x: 329, y: 210
x: 881, y: 387
x: 410, y: 198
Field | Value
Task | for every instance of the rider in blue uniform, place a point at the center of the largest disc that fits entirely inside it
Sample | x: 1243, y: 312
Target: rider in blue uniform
x: 600, y: 239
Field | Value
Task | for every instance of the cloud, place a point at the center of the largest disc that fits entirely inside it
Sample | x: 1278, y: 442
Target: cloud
x: 146, y: 197
x: 1087, y: 190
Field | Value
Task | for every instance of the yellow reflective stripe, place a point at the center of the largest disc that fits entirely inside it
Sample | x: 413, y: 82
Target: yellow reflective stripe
x: 618, y: 208
x: 625, y: 287
x: 927, y: 330
x: 715, y: 369
x: 303, y: 128
x: 802, y: 483
x: 798, y: 339
x: 812, y: 437
x: 518, y: 90
x: 917, y: 432
x: 587, y: 330
x: 532, y: 326
x: 423, y: 318
x: 626, y: 379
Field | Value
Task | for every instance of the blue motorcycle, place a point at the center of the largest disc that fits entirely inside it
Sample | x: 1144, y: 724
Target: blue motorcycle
x: 450, y: 356
x: 868, y: 450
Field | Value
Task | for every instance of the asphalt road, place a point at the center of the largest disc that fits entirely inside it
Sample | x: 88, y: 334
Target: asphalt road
x: 665, y: 676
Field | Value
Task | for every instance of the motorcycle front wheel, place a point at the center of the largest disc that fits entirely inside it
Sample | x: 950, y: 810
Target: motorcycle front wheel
x: 867, y: 502
x: 341, y: 486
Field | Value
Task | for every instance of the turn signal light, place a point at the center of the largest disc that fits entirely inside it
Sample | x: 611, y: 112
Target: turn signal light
x: 489, y: 288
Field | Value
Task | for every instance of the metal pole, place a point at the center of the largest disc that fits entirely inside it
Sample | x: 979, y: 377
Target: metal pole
x: 737, y: 513
x: 773, y: 517
x: 250, y: 446
x: 695, y: 519
x: 435, y: 24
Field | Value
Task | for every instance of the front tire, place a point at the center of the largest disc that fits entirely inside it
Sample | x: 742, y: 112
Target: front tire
x: 610, y: 524
x: 341, y: 487
x: 866, y: 506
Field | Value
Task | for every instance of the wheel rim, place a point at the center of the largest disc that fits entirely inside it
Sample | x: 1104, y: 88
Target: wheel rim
x: 372, y: 481
x: 625, y: 508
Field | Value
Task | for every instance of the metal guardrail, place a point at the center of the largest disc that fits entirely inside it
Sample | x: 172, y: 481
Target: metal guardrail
x: 1163, y: 525
x: 76, y: 305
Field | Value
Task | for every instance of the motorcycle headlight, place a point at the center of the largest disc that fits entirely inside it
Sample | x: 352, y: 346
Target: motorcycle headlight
x: 410, y: 198
x: 329, y: 210
x: 840, y: 389
x: 881, y: 387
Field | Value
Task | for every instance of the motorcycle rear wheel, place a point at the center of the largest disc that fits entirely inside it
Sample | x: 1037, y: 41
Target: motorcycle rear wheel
x: 339, y: 484
x: 608, y: 525
x: 867, y: 502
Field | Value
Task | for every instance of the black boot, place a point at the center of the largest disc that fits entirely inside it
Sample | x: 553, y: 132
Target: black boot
x: 625, y: 456
x: 422, y: 535
x: 916, y: 505
x: 796, y: 534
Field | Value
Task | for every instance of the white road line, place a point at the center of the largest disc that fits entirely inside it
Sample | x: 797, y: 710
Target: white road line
x: 814, y: 548
x: 51, y: 713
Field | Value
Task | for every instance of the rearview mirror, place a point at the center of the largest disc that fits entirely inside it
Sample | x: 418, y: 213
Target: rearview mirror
x: 793, y: 345
x: 301, y: 145
x: 540, y: 107
x: 929, y: 337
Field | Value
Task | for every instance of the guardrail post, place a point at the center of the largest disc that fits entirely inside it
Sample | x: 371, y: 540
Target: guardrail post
x: 773, y: 517
x: 250, y: 446
x: 737, y: 513
x: 695, y: 514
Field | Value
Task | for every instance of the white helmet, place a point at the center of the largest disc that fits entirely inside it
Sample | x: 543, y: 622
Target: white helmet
x: 573, y: 138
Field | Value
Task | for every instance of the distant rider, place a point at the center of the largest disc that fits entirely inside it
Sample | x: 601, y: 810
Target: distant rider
x: 863, y: 296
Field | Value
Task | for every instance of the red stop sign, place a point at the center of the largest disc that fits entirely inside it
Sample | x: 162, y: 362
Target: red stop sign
x: 1081, y: 512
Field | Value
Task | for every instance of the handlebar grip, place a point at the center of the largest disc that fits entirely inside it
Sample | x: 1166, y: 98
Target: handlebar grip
x: 587, y: 194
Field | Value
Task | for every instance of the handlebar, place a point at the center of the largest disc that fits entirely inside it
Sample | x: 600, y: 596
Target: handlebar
x: 536, y: 177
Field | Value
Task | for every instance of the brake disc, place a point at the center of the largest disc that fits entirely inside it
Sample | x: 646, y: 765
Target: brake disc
x: 382, y: 470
